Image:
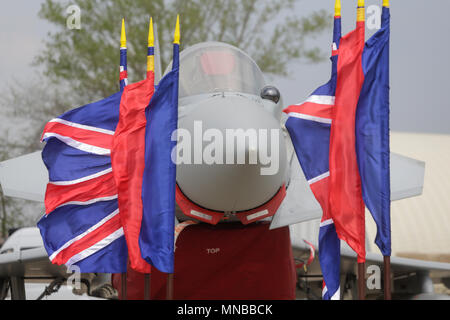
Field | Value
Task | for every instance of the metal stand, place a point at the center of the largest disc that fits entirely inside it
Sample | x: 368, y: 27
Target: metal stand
x: 53, y: 287
x: 17, y: 288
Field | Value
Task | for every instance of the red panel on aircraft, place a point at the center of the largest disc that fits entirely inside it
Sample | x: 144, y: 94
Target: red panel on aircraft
x: 228, y: 261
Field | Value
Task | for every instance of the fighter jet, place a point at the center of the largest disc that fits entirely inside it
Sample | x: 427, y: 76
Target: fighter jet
x: 235, y: 159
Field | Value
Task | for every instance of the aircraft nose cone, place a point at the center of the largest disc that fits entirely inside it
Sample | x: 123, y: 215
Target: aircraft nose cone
x: 236, y: 157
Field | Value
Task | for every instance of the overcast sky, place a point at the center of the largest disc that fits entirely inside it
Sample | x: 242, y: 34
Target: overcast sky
x: 420, y: 64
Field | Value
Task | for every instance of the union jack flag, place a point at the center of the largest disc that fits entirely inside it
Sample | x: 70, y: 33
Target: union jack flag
x: 309, y: 125
x: 82, y: 225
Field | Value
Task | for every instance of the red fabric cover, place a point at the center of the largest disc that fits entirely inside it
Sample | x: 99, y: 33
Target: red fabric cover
x: 251, y: 263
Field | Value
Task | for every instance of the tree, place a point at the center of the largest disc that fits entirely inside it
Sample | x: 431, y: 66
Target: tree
x: 81, y: 66
x: 27, y: 106
x: 270, y: 31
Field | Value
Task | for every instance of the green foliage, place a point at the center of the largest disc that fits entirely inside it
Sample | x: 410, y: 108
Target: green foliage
x: 27, y: 108
x: 81, y: 66
x: 270, y: 31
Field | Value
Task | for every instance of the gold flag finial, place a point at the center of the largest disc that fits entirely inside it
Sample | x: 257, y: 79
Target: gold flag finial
x: 151, y: 36
x: 361, y: 11
x: 337, y: 8
x: 177, y: 35
x: 123, y: 36
x: 386, y: 3
x: 151, y: 44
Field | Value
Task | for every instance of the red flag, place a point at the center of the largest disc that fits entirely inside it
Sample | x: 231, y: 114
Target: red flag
x: 128, y: 155
x: 347, y: 205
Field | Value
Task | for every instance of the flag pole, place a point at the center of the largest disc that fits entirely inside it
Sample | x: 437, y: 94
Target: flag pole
x: 387, y: 278
x: 176, y: 44
x: 124, y: 285
x: 147, y: 287
x: 123, y: 75
x: 387, y: 259
x: 150, y: 69
x: 169, y: 292
x: 361, y: 281
x: 151, y: 50
x: 123, y: 82
x: 361, y: 18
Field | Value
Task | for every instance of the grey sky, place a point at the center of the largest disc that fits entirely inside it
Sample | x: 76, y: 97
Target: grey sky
x: 420, y: 64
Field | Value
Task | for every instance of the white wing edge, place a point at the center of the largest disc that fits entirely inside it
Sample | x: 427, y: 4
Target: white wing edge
x: 300, y: 205
x: 25, y: 177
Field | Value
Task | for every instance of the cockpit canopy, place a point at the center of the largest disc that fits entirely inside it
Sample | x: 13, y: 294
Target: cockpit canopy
x: 218, y: 67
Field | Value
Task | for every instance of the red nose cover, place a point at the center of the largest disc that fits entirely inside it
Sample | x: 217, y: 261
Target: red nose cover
x: 228, y: 261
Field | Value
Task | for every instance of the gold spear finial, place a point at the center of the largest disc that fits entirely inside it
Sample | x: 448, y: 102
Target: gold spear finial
x: 177, y: 35
x: 337, y: 8
x: 123, y: 36
x: 361, y: 11
x: 151, y: 43
x: 151, y: 36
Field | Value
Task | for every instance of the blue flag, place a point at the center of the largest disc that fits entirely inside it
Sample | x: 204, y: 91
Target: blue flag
x: 372, y: 132
x: 156, y: 238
